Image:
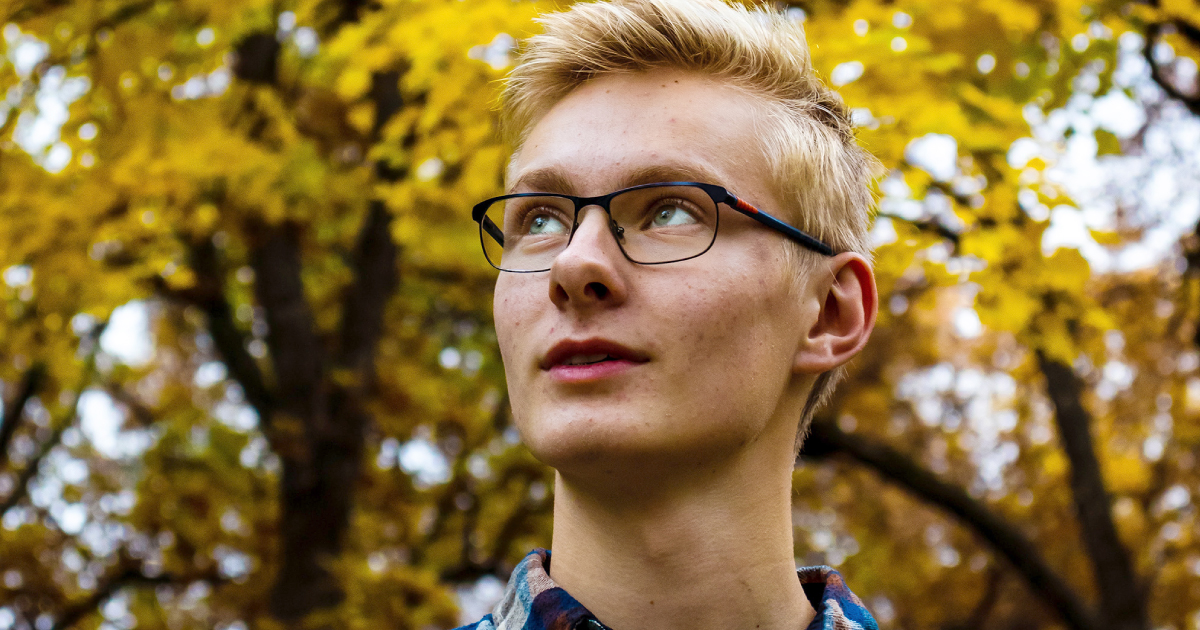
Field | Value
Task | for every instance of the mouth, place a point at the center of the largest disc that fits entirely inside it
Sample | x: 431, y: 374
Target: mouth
x: 589, y: 352
x: 588, y: 359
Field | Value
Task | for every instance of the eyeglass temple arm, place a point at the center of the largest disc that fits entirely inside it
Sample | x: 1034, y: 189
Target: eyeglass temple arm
x: 775, y: 224
x: 491, y: 229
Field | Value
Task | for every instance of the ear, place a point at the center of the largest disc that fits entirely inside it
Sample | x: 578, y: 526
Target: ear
x: 849, y: 303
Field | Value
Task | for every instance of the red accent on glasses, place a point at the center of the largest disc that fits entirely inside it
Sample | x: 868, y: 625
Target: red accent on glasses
x: 745, y: 207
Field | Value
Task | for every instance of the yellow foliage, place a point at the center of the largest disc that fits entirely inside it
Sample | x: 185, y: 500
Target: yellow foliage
x: 171, y: 178
x: 1126, y: 475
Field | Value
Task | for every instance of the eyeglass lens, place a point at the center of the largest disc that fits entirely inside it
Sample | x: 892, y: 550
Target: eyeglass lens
x: 652, y: 225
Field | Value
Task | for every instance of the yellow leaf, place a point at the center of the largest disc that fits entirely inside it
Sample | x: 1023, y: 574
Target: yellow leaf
x: 1126, y: 474
x: 353, y: 83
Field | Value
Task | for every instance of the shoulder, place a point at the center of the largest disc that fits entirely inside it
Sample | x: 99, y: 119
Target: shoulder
x: 482, y: 624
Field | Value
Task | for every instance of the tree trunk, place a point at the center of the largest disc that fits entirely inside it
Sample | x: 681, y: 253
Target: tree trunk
x: 1122, y: 599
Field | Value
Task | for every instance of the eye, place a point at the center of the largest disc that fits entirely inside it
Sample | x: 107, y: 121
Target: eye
x: 546, y: 224
x: 669, y: 214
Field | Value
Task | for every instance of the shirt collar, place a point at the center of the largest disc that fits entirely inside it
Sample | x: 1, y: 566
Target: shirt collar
x: 532, y: 601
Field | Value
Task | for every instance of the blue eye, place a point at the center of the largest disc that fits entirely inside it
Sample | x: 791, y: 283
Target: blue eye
x: 546, y: 224
x: 672, y: 215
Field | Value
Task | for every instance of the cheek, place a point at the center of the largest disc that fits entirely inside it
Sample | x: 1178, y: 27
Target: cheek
x: 511, y: 313
x: 735, y: 336
x: 726, y: 315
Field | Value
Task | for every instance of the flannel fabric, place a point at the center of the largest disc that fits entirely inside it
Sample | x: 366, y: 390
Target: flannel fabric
x: 532, y: 601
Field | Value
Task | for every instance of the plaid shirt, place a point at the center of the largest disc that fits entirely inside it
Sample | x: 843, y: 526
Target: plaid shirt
x: 532, y: 601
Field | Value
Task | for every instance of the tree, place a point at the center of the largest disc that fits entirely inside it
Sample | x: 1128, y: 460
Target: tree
x: 321, y: 431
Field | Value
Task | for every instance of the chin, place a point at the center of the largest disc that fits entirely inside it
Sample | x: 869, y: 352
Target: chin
x: 606, y: 442
x: 567, y: 438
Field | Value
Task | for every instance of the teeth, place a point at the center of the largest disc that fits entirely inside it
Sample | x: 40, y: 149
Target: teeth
x: 584, y: 359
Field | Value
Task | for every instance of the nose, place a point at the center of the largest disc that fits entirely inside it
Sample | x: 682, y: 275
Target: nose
x: 589, y: 273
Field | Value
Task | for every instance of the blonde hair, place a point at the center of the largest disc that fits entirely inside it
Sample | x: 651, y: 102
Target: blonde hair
x: 817, y: 167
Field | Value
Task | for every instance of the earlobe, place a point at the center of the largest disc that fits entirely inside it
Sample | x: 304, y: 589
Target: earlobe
x: 848, y: 305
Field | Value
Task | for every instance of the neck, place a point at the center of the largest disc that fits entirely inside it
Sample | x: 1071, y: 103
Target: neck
x: 715, y: 553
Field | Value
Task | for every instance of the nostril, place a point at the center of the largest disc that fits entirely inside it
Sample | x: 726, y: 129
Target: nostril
x: 560, y: 294
x: 597, y: 289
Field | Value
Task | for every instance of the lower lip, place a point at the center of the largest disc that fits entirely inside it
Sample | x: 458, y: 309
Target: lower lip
x: 590, y: 372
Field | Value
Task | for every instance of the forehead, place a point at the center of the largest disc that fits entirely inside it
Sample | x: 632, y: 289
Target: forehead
x: 626, y: 129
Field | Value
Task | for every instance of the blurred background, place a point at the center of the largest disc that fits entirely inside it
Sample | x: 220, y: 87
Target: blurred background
x: 250, y: 378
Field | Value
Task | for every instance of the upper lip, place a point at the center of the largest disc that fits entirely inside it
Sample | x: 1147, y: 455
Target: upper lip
x: 568, y: 348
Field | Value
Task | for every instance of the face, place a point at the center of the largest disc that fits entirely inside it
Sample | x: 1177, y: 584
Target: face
x: 612, y: 364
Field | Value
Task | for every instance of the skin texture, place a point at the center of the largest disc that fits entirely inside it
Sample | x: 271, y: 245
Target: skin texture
x: 673, y: 493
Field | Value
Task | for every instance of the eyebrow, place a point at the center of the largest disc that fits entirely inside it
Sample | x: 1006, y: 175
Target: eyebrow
x: 550, y: 179
x: 555, y: 180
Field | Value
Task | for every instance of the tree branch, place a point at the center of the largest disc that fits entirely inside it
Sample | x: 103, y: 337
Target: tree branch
x: 1007, y: 541
x: 1153, y: 32
x: 375, y: 280
x: 926, y: 226
x: 127, y: 577
x: 116, y: 18
x: 375, y: 255
x: 257, y: 58
x: 208, y: 295
x: 467, y: 569
x: 350, y: 11
x: 296, y: 350
x: 140, y: 412
x: 14, y: 408
x: 1122, y: 602
x: 987, y: 602
x: 32, y: 10
x: 21, y: 489
x: 74, y: 613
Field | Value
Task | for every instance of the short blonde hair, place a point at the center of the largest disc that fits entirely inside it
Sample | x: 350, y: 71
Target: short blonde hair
x: 818, y: 169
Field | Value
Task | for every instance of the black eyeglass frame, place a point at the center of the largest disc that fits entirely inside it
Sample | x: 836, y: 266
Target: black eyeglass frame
x: 718, y: 194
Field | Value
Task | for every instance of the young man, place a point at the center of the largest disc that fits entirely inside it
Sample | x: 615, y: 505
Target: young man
x: 667, y: 329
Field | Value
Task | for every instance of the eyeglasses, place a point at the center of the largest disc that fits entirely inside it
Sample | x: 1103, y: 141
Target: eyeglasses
x: 653, y: 224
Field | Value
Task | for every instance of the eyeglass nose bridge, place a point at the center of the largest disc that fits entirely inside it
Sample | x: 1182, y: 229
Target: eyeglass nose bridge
x: 601, y: 202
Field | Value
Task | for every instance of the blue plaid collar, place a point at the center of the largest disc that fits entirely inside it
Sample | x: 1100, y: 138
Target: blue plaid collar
x: 532, y: 601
